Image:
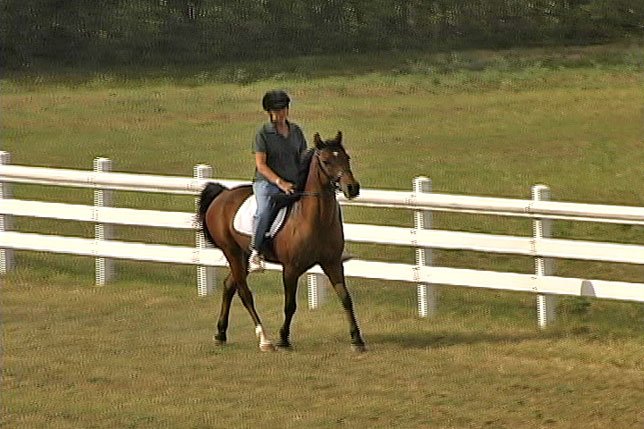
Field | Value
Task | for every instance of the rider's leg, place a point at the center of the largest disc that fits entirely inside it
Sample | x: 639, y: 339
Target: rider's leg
x: 263, y: 218
x: 264, y: 215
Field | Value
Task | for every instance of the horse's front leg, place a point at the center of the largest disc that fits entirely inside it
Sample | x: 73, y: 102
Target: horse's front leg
x: 289, y: 277
x: 335, y: 273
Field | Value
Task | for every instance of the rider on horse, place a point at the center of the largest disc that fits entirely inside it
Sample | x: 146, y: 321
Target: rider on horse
x: 279, y: 145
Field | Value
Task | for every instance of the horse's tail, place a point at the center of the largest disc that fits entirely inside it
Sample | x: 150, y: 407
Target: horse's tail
x: 208, y: 194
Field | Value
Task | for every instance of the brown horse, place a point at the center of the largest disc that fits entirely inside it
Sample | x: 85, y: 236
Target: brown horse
x: 312, y: 234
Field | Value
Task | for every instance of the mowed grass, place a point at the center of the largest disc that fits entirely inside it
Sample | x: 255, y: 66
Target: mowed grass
x: 138, y: 353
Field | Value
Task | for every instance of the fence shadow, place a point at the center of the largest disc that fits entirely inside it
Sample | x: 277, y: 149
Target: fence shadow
x: 423, y: 340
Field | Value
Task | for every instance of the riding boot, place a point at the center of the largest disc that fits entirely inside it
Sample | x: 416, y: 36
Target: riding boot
x: 263, y: 225
x: 256, y: 262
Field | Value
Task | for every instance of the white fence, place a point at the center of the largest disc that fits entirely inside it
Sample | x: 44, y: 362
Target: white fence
x: 421, y: 237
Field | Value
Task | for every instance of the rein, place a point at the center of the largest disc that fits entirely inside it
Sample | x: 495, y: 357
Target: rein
x: 313, y: 194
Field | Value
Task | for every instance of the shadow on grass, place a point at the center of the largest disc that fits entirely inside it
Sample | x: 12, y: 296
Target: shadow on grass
x: 448, y: 339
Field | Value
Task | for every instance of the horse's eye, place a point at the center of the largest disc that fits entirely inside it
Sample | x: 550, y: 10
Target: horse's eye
x: 325, y: 162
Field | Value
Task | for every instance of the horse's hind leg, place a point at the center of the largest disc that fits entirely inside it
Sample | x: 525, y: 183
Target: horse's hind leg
x: 227, y: 296
x: 247, y: 299
x: 238, y: 270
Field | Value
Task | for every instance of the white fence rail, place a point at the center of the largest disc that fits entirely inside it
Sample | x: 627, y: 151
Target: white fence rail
x: 421, y: 200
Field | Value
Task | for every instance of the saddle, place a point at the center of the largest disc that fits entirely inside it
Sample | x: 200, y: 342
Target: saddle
x: 244, y: 220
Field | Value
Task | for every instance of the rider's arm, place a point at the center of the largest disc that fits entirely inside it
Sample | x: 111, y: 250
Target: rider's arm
x: 264, y: 169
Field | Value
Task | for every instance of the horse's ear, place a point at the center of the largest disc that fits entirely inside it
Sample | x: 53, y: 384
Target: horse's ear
x: 338, y: 137
x: 319, y: 144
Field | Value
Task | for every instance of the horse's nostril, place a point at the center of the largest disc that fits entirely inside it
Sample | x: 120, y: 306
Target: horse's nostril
x: 354, y: 189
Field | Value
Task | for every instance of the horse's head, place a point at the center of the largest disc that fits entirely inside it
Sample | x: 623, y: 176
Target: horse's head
x: 335, y: 164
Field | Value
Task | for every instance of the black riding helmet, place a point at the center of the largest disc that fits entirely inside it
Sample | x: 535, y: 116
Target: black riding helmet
x: 275, y: 100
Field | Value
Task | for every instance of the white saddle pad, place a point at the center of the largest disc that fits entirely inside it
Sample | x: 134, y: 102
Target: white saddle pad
x: 244, y: 221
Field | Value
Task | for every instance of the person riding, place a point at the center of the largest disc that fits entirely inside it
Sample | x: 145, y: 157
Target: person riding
x: 279, y: 145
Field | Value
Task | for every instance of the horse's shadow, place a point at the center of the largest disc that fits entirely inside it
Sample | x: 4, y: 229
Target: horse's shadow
x: 422, y: 340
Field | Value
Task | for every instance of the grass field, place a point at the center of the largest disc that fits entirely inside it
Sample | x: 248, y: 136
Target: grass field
x: 138, y: 353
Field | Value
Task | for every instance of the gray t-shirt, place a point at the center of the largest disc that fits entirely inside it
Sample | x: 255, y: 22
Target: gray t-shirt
x: 282, y: 153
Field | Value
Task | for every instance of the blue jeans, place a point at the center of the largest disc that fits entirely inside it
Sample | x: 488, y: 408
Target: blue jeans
x: 265, y: 213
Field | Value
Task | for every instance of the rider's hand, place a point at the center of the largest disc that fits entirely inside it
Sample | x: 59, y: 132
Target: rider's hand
x: 286, y: 187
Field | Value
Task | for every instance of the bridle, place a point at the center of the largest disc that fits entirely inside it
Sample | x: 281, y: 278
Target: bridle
x: 334, y: 183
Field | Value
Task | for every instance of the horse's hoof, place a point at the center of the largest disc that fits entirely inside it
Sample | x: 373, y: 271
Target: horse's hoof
x: 267, y: 347
x: 359, y: 348
x: 219, y: 341
x: 284, y: 346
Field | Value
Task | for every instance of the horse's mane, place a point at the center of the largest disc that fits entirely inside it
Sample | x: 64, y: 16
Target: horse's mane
x: 305, y: 166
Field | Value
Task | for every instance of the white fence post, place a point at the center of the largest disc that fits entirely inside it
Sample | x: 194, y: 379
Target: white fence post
x: 104, y: 267
x: 205, y: 275
x: 427, y: 293
x: 542, y: 228
x: 6, y: 221
x: 316, y: 290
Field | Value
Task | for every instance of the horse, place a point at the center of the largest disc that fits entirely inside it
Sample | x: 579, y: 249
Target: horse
x: 311, y: 234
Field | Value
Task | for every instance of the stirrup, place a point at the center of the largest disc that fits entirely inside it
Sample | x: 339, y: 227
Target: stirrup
x: 256, y: 262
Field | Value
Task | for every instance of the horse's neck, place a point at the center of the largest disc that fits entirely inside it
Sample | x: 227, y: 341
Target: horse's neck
x: 320, y: 201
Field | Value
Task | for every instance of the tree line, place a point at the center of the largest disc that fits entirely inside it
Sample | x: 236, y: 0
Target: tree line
x: 116, y: 32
